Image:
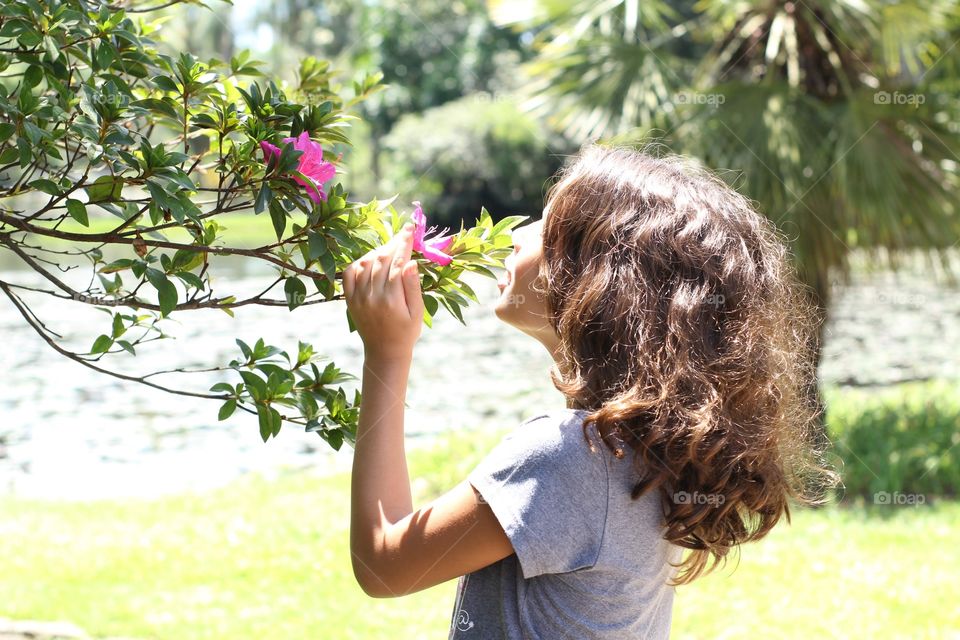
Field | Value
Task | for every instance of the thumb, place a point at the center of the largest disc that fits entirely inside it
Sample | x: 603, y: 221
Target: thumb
x: 411, y: 289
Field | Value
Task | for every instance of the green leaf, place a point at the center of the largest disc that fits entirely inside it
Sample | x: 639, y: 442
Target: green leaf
x: 7, y: 129
x: 264, y: 417
x: 334, y: 437
x: 263, y: 198
x: 430, y: 304
x: 227, y: 409
x: 276, y: 421
x: 244, y: 348
x: 453, y: 307
x: 78, y: 211
x: 270, y: 421
x: 166, y: 84
x: 32, y: 77
x: 279, y: 217
x: 317, y: 244
x: 505, y: 224
x: 191, y: 279
x: 127, y: 347
x: 296, y: 292
x: 118, y: 328
x: 105, y: 189
x: 329, y: 266
x: 52, y: 49
x: 101, y: 344
x: 9, y: 155
x: 166, y: 290
x: 46, y: 186
x: 26, y: 152
x: 159, y: 106
x: 118, y: 265
x: 256, y: 385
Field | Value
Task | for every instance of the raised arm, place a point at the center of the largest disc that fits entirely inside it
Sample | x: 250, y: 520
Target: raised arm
x: 395, y: 550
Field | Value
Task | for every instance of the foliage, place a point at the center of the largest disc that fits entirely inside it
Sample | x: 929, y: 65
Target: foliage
x: 429, y: 53
x: 902, y: 440
x: 838, y: 117
x: 479, y: 148
x: 97, y: 122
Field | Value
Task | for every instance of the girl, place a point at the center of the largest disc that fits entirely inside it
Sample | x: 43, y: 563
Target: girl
x: 678, y: 333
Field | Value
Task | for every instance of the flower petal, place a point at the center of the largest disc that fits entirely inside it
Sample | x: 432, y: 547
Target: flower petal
x: 270, y: 151
x: 314, y: 190
x: 440, y: 243
x: 420, y: 226
x: 436, y: 256
x: 304, y: 142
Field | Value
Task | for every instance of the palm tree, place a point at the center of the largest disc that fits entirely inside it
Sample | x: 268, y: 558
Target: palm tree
x: 839, y: 116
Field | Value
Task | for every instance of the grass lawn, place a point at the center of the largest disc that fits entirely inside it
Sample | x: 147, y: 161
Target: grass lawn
x: 243, y: 228
x: 269, y: 559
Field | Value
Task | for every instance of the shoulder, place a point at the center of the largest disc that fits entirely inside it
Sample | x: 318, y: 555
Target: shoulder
x: 549, y: 491
x: 554, y: 442
x: 556, y: 429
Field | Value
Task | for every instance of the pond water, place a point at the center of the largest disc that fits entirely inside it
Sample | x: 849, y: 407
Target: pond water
x: 67, y: 432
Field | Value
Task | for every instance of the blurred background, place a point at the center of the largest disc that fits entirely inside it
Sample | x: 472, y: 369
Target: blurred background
x: 130, y: 515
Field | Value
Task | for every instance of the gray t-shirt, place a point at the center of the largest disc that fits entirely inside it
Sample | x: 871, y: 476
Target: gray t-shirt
x: 588, y: 561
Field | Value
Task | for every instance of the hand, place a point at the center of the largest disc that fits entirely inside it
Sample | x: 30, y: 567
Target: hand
x: 383, y: 296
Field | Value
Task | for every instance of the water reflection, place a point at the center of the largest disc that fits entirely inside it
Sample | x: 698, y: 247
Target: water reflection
x: 70, y: 432
x: 67, y: 432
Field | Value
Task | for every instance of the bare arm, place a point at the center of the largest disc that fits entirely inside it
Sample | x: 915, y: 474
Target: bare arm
x: 395, y: 550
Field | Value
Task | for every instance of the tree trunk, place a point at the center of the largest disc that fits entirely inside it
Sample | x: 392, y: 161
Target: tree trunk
x: 375, y: 149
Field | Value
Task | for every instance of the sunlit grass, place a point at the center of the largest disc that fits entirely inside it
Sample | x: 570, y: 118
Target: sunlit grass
x: 270, y: 559
x: 244, y: 229
x: 884, y: 572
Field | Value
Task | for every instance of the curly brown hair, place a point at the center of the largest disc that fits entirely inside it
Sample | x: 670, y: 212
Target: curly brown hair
x: 686, y: 335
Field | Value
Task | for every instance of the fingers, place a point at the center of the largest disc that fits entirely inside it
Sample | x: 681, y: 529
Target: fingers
x: 364, y: 271
x: 348, y: 280
x: 411, y: 289
x: 372, y: 272
x: 394, y: 255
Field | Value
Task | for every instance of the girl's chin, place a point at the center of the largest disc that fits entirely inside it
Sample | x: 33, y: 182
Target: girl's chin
x: 501, y: 304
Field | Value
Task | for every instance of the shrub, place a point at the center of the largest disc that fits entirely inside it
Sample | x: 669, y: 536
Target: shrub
x: 901, y: 439
x: 135, y: 158
x: 478, y: 150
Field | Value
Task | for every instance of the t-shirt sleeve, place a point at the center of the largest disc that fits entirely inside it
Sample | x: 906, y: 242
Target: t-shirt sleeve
x: 549, y: 492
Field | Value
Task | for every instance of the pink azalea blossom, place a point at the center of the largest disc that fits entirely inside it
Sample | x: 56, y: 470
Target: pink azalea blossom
x: 432, y: 249
x: 312, y: 164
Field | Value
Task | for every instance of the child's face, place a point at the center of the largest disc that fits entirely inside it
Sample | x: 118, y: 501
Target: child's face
x: 519, y: 305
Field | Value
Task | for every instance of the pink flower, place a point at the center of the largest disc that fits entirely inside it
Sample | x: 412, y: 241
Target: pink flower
x: 432, y: 249
x: 312, y: 165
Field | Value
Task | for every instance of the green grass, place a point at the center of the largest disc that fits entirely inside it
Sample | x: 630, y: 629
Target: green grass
x: 244, y: 229
x: 269, y: 559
